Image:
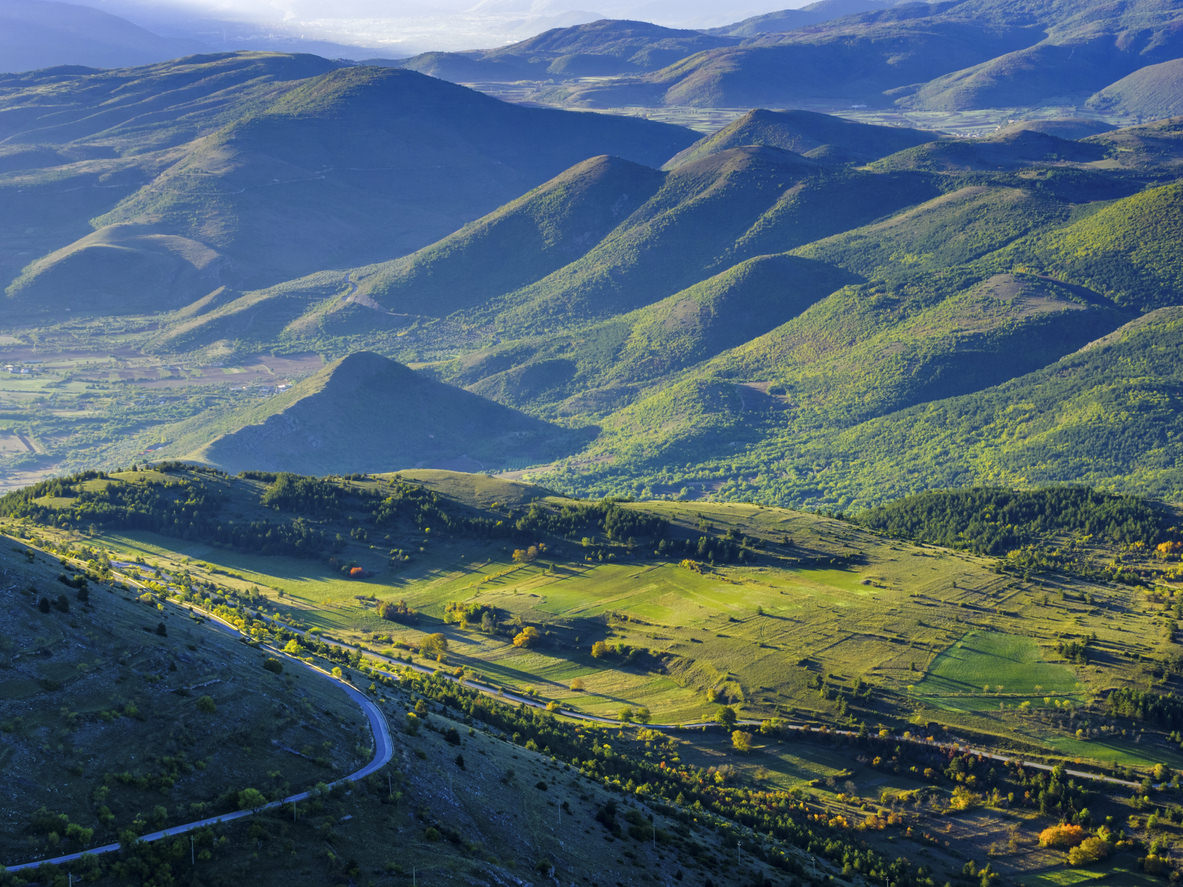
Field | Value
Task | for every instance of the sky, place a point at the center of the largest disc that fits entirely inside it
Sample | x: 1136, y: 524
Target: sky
x: 407, y: 26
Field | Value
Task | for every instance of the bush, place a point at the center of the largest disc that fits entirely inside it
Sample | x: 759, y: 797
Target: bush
x: 1061, y: 836
x: 273, y: 665
x: 1089, y: 851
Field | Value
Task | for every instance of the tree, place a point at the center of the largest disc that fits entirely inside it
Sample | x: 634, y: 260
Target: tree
x: 251, y: 799
x: 206, y: 704
x: 273, y: 665
x: 599, y: 650
x: 741, y: 740
x: 527, y: 637
x: 1061, y: 836
x: 727, y: 717
x: 162, y: 629
x: 435, y: 645
x: 395, y: 611
x: 1089, y: 851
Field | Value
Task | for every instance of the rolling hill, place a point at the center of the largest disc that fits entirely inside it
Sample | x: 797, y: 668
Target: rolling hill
x: 756, y: 673
x: 263, y: 178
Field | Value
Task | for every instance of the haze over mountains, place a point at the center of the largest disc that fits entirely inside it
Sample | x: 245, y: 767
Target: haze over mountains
x: 938, y: 57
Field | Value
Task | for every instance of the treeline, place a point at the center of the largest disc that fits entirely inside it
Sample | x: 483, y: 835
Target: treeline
x: 608, y: 521
x: 183, y: 507
x: 990, y: 520
x: 311, y: 517
x: 1141, y: 705
x: 607, y: 518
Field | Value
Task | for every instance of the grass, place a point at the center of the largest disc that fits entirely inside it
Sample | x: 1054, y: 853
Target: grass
x: 1122, y: 874
x: 986, y: 667
x: 830, y: 622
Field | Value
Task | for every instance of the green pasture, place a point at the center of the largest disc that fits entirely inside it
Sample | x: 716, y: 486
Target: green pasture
x: 1124, y: 874
x: 879, y: 631
x: 986, y: 667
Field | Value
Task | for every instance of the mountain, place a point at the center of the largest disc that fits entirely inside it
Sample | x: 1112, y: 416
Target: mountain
x: 608, y: 46
x: 367, y: 413
x: 267, y: 183
x: 966, y: 54
x: 544, y: 230
x: 1153, y: 91
x: 821, y: 136
x: 43, y: 34
x: 791, y: 19
x: 1085, y: 46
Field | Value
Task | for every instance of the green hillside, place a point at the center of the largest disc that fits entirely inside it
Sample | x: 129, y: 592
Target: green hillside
x: 515, y: 245
x: 1128, y: 250
x: 1153, y: 91
x: 245, y: 157
x: 696, y: 216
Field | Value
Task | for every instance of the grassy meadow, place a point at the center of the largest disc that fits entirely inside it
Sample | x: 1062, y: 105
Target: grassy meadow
x: 829, y: 623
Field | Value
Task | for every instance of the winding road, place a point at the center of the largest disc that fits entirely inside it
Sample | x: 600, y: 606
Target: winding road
x: 379, y: 728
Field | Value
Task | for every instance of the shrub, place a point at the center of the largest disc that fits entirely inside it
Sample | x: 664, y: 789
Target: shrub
x: 1089, y: 851
x: 1061, y: 836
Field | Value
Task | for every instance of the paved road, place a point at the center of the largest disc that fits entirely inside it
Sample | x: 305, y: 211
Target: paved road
x: 383, y: 752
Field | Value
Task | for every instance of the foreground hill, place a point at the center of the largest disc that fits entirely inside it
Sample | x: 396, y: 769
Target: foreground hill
x: 152, y: 714
x: 160, y: 717
x: 366, y: 413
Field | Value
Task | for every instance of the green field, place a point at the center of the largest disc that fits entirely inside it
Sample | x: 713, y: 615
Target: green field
x: 987, y: 668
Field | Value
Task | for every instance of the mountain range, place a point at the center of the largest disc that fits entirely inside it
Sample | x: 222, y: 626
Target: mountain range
x: 746, y: 312
x: 951, y: 56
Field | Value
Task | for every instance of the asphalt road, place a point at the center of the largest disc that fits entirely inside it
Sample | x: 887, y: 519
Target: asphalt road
x: 383, y: 752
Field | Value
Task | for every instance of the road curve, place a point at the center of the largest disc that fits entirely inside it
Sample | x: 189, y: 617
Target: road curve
x: 383, y: 752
